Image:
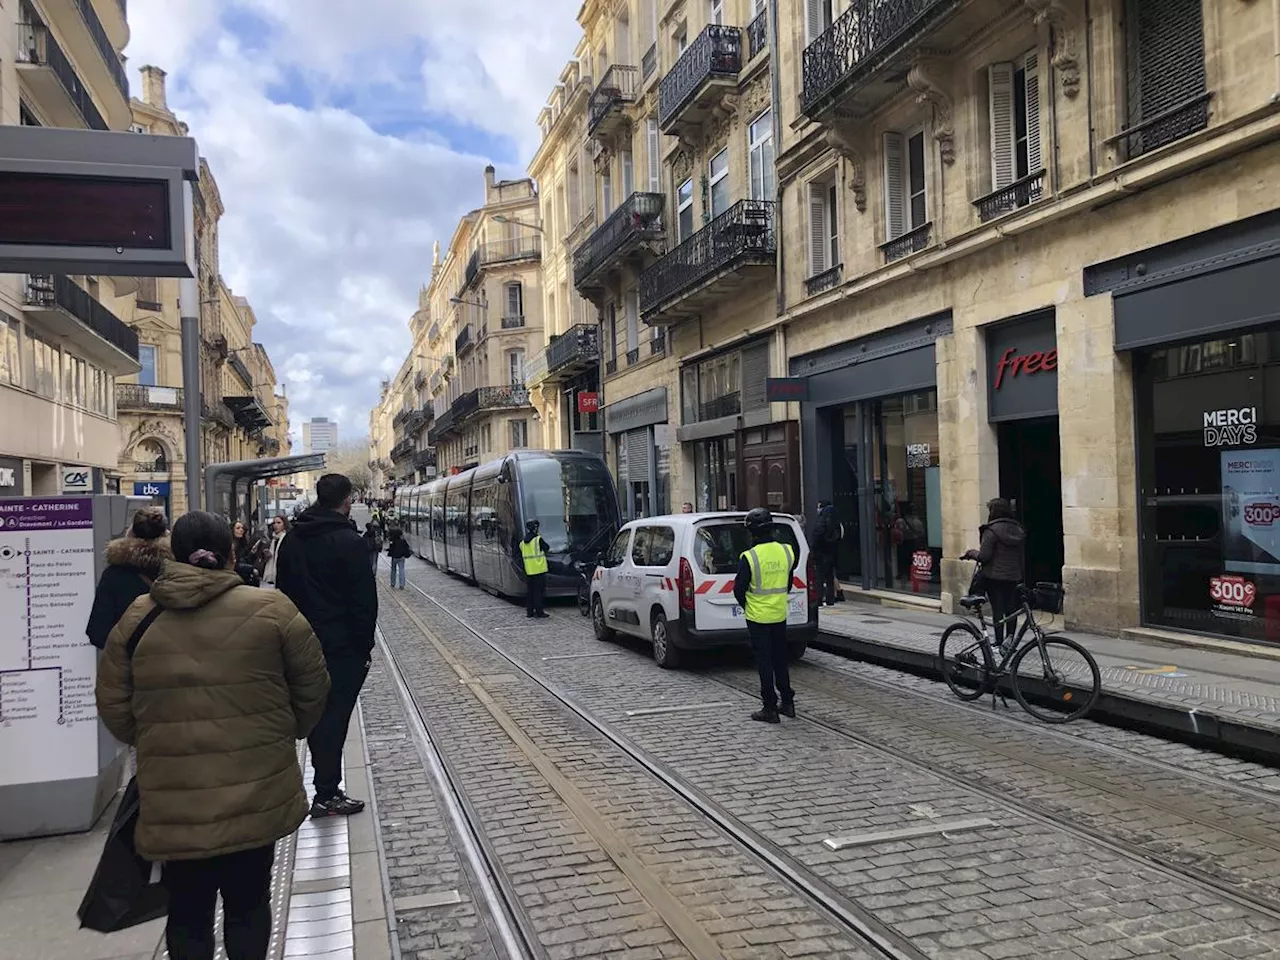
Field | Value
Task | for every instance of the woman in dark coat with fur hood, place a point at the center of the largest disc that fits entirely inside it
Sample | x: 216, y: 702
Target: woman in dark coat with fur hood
x: 133, y: 563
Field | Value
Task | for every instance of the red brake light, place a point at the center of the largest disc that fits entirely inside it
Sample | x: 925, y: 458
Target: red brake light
x: 686, y: 584
x: 811, y: 578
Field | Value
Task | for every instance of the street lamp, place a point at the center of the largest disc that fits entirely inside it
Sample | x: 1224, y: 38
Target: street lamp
x: 503, y: 218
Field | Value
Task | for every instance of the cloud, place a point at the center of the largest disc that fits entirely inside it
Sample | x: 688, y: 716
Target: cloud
x: 346, y: 137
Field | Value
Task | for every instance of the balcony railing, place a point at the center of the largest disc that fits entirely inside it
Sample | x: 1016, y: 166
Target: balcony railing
x: 215, y: 411
x: 139, y: 396
x: 857, y: 42
x: 433, y: 333
x: 1020, y: 193
x: 742, y: 234
x: 510, y: 397
x: 471, y: 451
x: 436, y: 378
x: 823, y: 281
x: 472, y: 271
x: 151, y: 466
x: 424, y: 460
x: 758, y: 34
x: 638, y: 218
x: 104, y: 45
x: 48, y: 290
x: 611, y: 366
x: 512, y: 323
x: 1180, y: 120
x: 444, y: 425
x: 463, y: 340
x: 616, y: 87
x: 633, y: 357
x: 402, y: 450
x: 579, y: 345
x: 649, y: 62
x: 37, y: 47
x: 658, y: 345
x: 729, y: 405
x: 716, y: 53
x: 911, y: 242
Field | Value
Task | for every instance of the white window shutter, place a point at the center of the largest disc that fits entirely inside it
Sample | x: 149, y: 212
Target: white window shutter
x: 895, y: 185
x: 655, y: 157
x: 628, y: 175
x: 817, y: 229
x: 1035, y: 160
x: 813, y: 19
x: 1000, y: 84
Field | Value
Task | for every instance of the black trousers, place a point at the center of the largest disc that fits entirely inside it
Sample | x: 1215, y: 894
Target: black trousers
x: 536, y: 597
x: 244, y: 879
x: 769, y: 643
x: 1003, y: 595
x: 826, y: 564
x: 346, y: 677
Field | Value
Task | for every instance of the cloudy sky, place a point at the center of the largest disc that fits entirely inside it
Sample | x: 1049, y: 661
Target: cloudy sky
x: 346, y: 137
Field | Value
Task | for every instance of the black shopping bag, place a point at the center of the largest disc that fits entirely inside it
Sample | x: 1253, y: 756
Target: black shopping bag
x: 978, y: 584
x: 122, y: 892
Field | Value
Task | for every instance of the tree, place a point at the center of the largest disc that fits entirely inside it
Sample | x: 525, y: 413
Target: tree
x: 351, y: 459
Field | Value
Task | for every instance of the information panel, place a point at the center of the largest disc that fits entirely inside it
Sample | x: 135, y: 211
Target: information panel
x: 48, y: 717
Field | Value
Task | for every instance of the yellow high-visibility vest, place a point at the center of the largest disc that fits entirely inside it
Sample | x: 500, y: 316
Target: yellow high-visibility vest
x: 535, y: 561
x: 770, y: 582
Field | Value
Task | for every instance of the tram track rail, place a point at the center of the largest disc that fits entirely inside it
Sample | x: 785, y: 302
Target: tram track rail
x: 862, y: 925
x: 1234, y: 892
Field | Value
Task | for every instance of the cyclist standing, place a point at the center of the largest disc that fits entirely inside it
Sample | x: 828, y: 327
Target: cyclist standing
x: 1000, y: 551
x: 764, y: 580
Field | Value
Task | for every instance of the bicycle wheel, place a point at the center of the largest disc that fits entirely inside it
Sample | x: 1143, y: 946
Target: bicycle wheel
x: 584, y: 599
x: 1055, y: 679
x: 964, y: 660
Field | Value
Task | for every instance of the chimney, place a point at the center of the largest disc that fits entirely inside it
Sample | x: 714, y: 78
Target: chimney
x: 489, y: 180
x: 153, y: 87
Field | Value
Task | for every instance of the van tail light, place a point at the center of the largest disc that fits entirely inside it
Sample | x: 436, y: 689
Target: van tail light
x: 811, y: 577
x: 686, y: 585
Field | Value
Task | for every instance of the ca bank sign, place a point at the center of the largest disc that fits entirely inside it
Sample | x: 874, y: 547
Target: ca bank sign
x: 151, y: 488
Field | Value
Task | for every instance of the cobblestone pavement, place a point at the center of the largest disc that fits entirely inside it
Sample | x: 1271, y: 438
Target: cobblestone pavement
x: 1105, y: 852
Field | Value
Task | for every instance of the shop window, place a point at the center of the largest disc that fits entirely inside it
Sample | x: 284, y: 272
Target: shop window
x: 1014, y: 102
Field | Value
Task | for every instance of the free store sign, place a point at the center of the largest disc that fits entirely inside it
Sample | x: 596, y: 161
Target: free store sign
x: 1022, y: 369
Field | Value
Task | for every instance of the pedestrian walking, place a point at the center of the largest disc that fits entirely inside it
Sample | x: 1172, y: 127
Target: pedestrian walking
x: 373, y: 544
x: 1000, y: 551
x: 399, y: 551
x: 220, y: 683
x: 279, y: 530
x: 765, y: 572
x: 533, y: 550
x: 323, y: 568
x: 133, y: 563
x: 827, y: 534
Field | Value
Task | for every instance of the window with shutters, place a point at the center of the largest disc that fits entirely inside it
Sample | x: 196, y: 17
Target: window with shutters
x: 632, y: 300
x: 718, y: 178
x: 1165, y: 73
x: 905, y: 197
x: 606, y: 193
x: 817, y: 18
x: 654, y: 149
x: 1014, y: 104
x: 716, y: 13
x: 515, y: 367
x: 519, y: 433
x: 515, y: 300
x: 761, y: 162
x: 824, y: 232
x: 628, y: 175
x: 684, y: 210
x: 574, y: 197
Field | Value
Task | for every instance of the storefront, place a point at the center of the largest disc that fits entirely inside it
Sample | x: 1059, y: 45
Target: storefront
x: 11, y: 477
x: 1022, y: 404
x: 1201, y: 321
x: 640, y: 448
x: 580, y: 411
x: 157, y: 491
x: 872, y: 448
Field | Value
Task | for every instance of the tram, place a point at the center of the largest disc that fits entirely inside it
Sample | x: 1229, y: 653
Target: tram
x: 471, y: 524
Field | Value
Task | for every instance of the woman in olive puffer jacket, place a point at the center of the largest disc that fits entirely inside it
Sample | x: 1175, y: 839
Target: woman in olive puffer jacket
x: 222, y: 684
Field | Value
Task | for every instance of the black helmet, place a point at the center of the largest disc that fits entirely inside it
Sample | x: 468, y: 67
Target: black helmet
x: 531, y: 526
x: 759, y: 520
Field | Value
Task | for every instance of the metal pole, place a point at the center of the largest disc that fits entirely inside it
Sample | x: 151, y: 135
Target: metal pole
x: 189, y: 307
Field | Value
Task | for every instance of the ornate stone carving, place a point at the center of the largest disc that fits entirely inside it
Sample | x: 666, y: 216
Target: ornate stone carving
x: 840, y: 139
x: 682, y: 162
x: 1065, y: 61
x: 156, y: 428
x: 756, y: 97
x: 929, y: 88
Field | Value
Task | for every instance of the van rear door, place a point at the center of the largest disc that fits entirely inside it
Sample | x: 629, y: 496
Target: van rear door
x: 718, y: 543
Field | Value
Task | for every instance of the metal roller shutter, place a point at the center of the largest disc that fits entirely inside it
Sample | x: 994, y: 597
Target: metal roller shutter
x: 755, y: 370
x: 638, y: 455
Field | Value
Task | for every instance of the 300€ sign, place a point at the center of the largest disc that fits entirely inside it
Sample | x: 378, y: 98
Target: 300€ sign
x: 1261, y: 514
x: 1235, y: 591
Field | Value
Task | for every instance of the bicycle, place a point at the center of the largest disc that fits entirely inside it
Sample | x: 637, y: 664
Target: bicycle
x: 1066, y: 688
x: 586, y: 570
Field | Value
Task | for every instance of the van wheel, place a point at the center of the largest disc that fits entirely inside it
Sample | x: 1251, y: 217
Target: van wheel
x: 665, y: 653
x: 796, y: 651
x: 598, y: 623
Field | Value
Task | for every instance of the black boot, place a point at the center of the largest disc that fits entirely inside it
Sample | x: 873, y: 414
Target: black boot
x: 766, y: 715
x: 788, y: 709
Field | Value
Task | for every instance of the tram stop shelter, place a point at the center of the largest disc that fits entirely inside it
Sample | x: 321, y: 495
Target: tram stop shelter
x: 228, y: 487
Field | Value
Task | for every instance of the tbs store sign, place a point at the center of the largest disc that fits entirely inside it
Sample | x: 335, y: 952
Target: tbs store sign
x: 1230, y: 428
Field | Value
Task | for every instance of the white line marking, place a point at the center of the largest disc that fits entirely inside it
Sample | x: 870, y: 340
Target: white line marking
x: 907, y: 833
x: 681, y: 708
x: 580, y: 656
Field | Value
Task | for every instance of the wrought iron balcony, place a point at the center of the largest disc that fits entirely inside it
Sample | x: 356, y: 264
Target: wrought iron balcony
x: 1161, y: 129
x: 758, y: 34
x: 729, y: 405
x: 635, y: 225
x: 700, y: 78
x: 911, y: 242
x: 463, y: 341
x: 38, y: 48
x: 658, y: 344
x: 138, y: 396
x: 512, y: 323
x: 511, y: 397
x: 71, y: 312
x: 604, y: 109
x: 611, y: 366
x: 507, y: 250
x: 159, y: 465
x: 633, y: 357
x: 866, y: 43
x: 105, y: 48
x: 443, y: 427
x: 1020, y: 193
x: 575, y: 350
x: 823, y: 281
x: 401, y: 416
x: 740, y: 241
x: 217, y: 412
x: 402, y: 451
x: 649, y: 62
x: 424, y: 459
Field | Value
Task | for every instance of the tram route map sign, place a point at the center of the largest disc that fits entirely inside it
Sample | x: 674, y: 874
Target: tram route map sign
x: 48, y: 717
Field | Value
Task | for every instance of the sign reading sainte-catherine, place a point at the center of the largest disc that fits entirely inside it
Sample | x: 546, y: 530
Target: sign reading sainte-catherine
x: 48, y: 718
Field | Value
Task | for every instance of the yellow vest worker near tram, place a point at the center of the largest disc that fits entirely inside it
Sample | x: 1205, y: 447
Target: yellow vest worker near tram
x: 533, y: 551
x: 763, y: 584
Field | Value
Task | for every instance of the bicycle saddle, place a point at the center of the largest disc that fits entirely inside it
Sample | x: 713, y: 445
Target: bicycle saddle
x: 972, y: 602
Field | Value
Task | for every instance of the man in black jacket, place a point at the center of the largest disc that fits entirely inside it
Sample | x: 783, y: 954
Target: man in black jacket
x: 323, y: 567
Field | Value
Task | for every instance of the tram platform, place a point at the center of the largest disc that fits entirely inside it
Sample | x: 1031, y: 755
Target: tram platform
x: 1217, y: 694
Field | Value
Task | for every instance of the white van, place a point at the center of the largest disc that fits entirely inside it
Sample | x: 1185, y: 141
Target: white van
x: 670, y: 580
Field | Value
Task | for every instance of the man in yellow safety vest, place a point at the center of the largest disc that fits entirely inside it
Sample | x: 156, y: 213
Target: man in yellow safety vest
x: 765, y: 573
x: 533, y: 550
